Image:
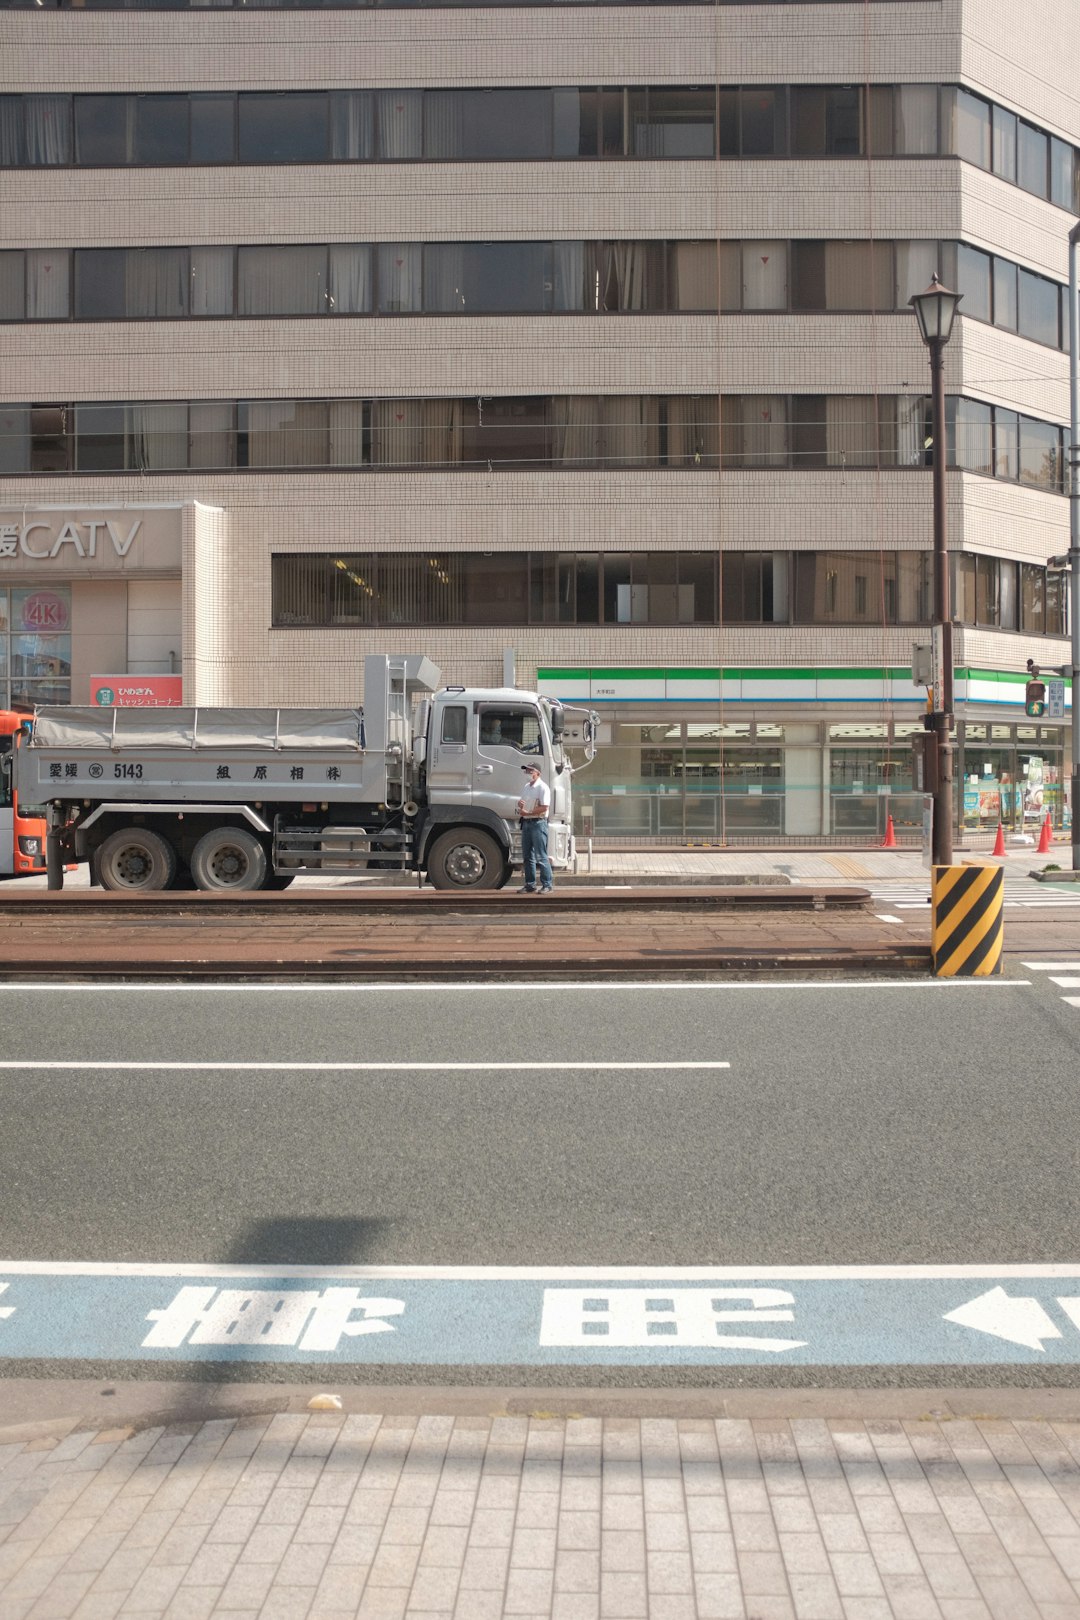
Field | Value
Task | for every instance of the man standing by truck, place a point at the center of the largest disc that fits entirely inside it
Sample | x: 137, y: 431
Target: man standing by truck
x: 533, y: 808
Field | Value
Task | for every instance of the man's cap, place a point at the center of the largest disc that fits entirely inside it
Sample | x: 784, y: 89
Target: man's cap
x: 530, y: 768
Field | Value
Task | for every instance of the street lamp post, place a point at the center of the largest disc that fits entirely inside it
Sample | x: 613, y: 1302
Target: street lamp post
x: 935, y: 310
x: 1074, y: 534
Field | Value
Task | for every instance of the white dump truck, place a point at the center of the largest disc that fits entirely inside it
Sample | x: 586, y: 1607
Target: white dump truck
x: 423, y: 778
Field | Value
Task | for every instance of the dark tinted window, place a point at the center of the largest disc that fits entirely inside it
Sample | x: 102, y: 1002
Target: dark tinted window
x: 764, y: 121
x: 161, y: 129
x: 973, y: 280
x: 103, y: 129
x: 1039, y: 300
x: 495, y: 277
x: 288, y: 128
x: 99, y: 284
x: 213, y: 129
x: 491, y: 123
x: 100, y: 438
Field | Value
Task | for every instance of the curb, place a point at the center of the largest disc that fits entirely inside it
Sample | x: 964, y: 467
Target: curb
x: 901, y: 959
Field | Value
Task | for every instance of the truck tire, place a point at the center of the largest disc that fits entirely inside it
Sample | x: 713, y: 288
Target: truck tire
x: 135, y: 860
x: 466, y: 858
x: 280, y: 880
x: 229, y: 858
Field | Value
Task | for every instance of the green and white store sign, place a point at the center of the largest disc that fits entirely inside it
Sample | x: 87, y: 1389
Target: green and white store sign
x: 834, y: 684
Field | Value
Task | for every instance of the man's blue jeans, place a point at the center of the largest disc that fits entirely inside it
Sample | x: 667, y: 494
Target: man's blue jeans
x: 534, y: 853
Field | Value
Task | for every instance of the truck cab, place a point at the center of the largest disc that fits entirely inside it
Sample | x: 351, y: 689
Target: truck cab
x: 479, y: 744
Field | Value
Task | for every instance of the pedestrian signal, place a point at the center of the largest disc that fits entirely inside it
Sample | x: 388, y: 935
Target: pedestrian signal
x: 1035, y: 699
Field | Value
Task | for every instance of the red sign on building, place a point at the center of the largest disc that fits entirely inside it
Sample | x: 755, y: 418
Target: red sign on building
x: 136, y: 691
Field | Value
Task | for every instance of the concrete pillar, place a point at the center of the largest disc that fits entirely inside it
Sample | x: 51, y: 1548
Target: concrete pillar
x: 802, y: 781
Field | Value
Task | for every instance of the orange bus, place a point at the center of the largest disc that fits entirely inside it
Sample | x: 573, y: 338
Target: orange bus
x: 22, y: 827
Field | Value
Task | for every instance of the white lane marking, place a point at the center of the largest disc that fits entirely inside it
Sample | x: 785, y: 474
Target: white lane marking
x: 1071, y: 1001
x: 1053, y: 967
x: 365, y: 1068
x: 1066, y: 984
x: 597, y: 986
x: 706, y: 1274
x: 883, y: 916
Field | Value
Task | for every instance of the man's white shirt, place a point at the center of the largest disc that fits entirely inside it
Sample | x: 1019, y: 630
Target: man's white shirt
x: 536, y: 796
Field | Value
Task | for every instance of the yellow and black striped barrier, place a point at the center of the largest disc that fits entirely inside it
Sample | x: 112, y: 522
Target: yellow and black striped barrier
x: 967, y: 927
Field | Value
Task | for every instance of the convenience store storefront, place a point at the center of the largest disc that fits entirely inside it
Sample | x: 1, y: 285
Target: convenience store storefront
x: 758, y: 754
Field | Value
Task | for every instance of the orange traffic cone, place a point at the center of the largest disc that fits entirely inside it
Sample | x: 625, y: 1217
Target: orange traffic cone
x: 1046, y: 835
x: 890, y: 834
x: 999, y: 842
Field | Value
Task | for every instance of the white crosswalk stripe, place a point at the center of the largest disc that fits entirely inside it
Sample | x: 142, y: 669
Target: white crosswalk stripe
x: 914, y: 896
x: 1063, y: 974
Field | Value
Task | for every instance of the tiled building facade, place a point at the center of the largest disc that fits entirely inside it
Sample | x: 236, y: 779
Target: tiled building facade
x: 589, y: 352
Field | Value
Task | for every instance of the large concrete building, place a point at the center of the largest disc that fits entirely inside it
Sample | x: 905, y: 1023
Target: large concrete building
x: 567, y: 338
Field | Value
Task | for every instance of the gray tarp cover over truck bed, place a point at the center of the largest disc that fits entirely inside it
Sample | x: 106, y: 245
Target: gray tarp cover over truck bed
x: 271, y: 729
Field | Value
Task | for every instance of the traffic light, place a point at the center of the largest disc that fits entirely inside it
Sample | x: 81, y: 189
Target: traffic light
x: 1035, y: 699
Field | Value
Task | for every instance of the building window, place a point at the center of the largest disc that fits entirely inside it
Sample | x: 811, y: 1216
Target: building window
x: 526, y: 124
x: 757, y: 432
x: 35, y: 646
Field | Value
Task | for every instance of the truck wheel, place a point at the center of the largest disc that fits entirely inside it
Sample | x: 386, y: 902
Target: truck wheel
x: 466, y: 859
x: 280, y: 880
x: 228, y: 858
x: 135, y: 860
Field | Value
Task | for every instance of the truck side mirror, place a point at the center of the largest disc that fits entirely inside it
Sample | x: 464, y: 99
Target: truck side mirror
x: 558, y: 724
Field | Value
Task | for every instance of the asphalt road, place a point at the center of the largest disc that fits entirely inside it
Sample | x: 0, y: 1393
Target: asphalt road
x: 856, y: 1124
x: 927, y: 1123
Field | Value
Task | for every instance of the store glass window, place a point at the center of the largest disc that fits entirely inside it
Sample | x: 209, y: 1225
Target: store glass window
x: 35, y: 646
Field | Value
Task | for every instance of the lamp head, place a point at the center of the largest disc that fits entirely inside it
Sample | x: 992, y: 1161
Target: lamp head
x: 935, y: 310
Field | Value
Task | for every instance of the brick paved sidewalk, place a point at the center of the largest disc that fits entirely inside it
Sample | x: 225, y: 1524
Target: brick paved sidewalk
x: 298, y: 1517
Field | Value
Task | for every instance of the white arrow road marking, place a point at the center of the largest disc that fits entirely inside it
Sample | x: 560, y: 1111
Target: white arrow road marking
x: 1071, y: 1001
x: 1021, y: 1321
x: 1071, y: 1307
x: 1065, y: 983
x: 1053, y: 967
